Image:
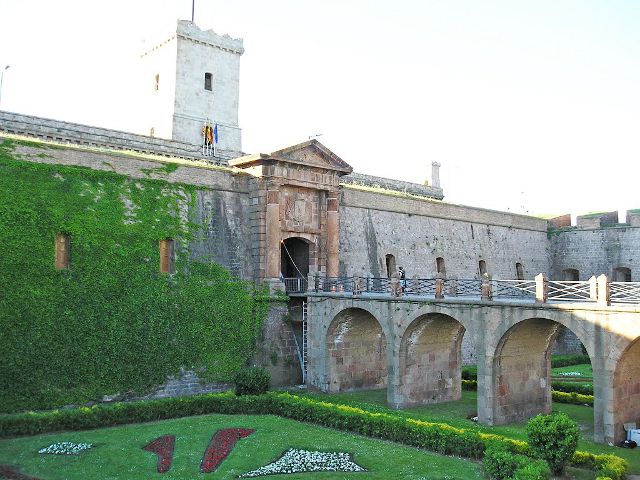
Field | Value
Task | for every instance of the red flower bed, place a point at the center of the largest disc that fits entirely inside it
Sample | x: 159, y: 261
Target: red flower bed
x: 13, y: 473
x: 163, y: 447
x: 221, y: 444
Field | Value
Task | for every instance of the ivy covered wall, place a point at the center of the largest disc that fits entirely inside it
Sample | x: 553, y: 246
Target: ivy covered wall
x: 112, y: 322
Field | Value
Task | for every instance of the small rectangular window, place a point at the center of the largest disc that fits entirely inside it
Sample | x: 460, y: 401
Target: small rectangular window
x: 63, y: 253
x: 208, y: 81
x: 156, y: 83
x: 167, y: 256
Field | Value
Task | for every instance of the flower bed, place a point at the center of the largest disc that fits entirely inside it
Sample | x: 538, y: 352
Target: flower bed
x: 437, y: 437
x: 66, y: 448
x: 221, y: 444
x: 300, y: 461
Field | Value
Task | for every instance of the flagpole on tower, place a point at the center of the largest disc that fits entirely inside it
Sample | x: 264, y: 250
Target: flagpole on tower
x: 193, y: 7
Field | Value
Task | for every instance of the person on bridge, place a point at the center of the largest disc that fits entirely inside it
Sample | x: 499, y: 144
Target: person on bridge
x: 403, y: 279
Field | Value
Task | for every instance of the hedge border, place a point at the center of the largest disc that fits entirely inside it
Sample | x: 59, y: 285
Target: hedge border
x: 437, y: 437
x: 557, y: 396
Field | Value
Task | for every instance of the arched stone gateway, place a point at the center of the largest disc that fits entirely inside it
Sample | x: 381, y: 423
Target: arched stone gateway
x: 357, y: 352
x: 626, y: 390
x: 430, y: 360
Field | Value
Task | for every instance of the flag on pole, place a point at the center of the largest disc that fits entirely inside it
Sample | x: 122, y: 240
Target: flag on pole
x: 215, y: 133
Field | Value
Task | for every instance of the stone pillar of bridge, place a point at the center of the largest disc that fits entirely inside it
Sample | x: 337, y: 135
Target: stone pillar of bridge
x: 429, y: 362
x: 519, y: 373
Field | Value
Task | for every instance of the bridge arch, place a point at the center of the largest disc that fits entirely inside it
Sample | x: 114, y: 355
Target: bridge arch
x: 626, y: 390
x: 521, y: 369
x: 356, y: 351
x: 430, y: 358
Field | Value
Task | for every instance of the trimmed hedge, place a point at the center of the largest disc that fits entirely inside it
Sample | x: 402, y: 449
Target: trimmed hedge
x: 573, y: 398
x: 569, y: 387
x: 436, y: 437
x: 560, y: 397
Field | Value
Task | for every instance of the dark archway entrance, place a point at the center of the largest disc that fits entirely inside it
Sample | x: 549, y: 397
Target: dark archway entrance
x: 294, y: 258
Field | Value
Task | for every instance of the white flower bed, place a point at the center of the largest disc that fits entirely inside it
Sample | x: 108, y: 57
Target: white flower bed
x: 297, y: 461
x: 66, y: 448
x: 570, y: 374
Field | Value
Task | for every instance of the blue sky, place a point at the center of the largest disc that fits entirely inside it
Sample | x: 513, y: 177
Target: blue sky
x: 530, y: 106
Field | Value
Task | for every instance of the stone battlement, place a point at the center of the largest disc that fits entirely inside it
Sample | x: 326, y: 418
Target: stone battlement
x: 594, y: 221
x: 78, y: 134
x: 395, y: 185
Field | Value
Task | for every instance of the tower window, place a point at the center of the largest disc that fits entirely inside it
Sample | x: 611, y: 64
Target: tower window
x: 390, y: 260
x: 440, y: 268
x: 570, y: 275
x: 63, y: 251
x: 621, y: 274
x: 208, y: 81
x: 519, y: 271
x: 156, y: 82
x: 482, y: 267
x: 167, y: 256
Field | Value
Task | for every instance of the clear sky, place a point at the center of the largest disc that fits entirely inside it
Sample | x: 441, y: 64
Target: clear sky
x: 530, y: 106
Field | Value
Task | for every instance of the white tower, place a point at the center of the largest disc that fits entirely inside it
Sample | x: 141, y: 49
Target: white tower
x: 191, y: 78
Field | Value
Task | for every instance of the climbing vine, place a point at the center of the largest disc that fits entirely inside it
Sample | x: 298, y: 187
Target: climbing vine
x: 112, y: 322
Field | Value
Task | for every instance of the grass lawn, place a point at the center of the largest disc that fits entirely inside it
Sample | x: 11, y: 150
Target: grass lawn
x: 118, y: 452
x: 456, y: 413
x: 585, y: 371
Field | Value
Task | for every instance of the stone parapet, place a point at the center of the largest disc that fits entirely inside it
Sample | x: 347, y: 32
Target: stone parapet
x: 74, y: 133
x: 352, y: 197
x: 394, y: 185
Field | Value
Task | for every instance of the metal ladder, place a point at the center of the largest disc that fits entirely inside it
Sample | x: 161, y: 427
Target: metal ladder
x: 303, y: 366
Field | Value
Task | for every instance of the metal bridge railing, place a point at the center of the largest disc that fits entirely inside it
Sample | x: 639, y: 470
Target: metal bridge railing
x: 625, y: 292
x: 570, y: 291
x: 541, y: 290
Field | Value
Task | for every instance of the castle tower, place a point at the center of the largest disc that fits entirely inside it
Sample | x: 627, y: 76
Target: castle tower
x: 191, y: 78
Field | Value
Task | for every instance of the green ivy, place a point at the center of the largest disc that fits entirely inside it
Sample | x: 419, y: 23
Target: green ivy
x: 111, y: 323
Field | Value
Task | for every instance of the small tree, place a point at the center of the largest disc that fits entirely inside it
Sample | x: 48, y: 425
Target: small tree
x: 553, y: 438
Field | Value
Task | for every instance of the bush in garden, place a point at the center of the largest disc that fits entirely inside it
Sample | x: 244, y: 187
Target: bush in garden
x: 501, y: 463
x: 553, y: 438
x: 252, y: 381
x: 534, y: 470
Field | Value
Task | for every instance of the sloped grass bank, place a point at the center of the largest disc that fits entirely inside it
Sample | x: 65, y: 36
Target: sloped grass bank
x: 438, y: 437
x: 118, y: 452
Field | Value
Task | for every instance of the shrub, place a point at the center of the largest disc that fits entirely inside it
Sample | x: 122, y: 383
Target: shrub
x: 500, y: 463
x: 573, y: 398
x: 568, y: 360
x: 534, y: 470
x: 569, y: 387
x: 252, y: 381
x: 553, y: 438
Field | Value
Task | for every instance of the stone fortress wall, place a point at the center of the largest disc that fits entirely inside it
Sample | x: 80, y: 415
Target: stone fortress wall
x: 416, y: 231
x: 376, y: 220
x: 597, y: 244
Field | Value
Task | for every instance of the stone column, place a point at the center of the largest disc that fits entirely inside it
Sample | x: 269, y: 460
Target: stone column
x: 333, y: 235
x: 272, y: 269
x: 435, y: 174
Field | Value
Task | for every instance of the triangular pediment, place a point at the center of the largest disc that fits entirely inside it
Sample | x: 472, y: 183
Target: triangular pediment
x: 315, y: 154
x: 310, y: 153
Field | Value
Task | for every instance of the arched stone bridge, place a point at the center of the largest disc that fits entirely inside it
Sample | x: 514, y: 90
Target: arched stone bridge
x: 413, y: 347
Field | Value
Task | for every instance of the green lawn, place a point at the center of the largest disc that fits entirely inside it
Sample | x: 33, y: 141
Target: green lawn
x: 118, y: 453
x: 585, y: 371
x: 456, y: 413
